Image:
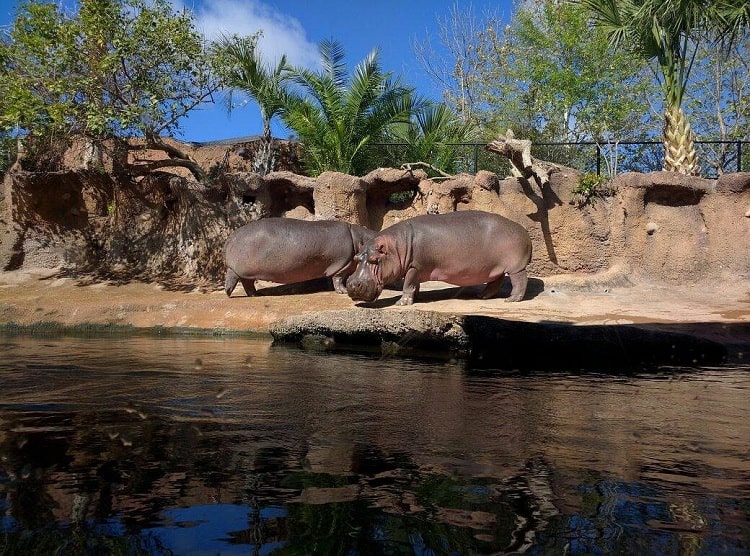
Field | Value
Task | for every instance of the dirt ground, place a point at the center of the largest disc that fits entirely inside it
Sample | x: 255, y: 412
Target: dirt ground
x: 33, y: 297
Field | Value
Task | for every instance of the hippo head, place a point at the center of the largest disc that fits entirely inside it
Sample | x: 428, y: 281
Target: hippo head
x: 374, y: 270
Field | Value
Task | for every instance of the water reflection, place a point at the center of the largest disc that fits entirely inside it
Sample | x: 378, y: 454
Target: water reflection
x: 203, y: 445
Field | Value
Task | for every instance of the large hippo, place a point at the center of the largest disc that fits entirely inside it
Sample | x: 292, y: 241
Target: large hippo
x: 464, y: 248
x: 286, y: 250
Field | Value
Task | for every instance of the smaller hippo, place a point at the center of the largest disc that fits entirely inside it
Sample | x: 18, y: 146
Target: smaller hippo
x: 464, y: 248
x: 286, y: 250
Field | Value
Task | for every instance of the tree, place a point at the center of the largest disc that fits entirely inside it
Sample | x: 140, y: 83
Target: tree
x: 669, y: 33
x: 37, y: 73
x: 433, y: 136
x: 454, y: 74
x: 114, y: 69
x: 717, y: 100
x: 544, y: 74
x: 336, y: 116
x: 242, y: 69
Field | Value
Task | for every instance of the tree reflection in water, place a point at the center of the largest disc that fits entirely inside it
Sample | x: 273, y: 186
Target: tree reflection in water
x: 128, y: 448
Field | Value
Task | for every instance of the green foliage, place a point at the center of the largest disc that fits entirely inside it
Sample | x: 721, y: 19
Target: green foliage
x: 591, y: 187
x: 433, y: 135
x: 8, y: 152
x: 116, y: 68
x: 38, y: 46
x: 549, y: 77
x: 402, y: 199
x: 237, y: 61
x: 669, y: 33
x: 716, y: 100
x: 337, y: 115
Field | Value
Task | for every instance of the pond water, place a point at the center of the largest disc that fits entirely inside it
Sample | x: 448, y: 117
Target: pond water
x: 147, y: 445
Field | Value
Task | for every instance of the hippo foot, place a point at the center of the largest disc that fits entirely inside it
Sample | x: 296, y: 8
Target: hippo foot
x: 338, y: 284
x: 513, y: 298
x: 405, y: 301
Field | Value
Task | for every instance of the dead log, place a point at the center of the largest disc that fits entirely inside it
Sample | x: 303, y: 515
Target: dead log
x: 523, y: 165
x: 176, y: 158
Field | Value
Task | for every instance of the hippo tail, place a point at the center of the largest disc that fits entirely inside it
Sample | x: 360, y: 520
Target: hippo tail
x: 230, y: 282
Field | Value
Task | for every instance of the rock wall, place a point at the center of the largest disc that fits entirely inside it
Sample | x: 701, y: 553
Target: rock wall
x: 682, y: 229
x: 167, y: 228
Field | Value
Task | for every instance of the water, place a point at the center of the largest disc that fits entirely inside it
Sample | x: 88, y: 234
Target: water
x: 142, y: 445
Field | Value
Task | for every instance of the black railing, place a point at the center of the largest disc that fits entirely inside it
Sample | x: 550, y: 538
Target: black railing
x: 715, y: 156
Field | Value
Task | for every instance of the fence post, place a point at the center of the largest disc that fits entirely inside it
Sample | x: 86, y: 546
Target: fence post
x: 598, y: 160
x: 739, y: 156
x: 476, y: 158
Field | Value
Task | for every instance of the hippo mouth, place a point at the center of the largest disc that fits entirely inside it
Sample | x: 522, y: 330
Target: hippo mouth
x: 366, y: 284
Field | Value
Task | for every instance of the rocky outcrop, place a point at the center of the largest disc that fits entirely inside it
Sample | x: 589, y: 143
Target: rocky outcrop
x: 526, y: 345
x: 682, y: 228
x: 166, y: 227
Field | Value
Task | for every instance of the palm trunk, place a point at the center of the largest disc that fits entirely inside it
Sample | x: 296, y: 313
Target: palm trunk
x: 265, y: 157
x: 679, y: 150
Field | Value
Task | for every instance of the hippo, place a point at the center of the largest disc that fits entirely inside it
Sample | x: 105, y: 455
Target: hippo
x: 286, y: 250
x: 463, y: 248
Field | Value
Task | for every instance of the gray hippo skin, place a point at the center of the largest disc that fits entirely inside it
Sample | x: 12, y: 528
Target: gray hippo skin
x: 464, y: 248
x: 286, y: 250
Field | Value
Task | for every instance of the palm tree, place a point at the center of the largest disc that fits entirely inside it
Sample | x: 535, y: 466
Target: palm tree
x: 433, y: 136
x: 242, y: 68
x: 337, y: 116
x: 668, y: 31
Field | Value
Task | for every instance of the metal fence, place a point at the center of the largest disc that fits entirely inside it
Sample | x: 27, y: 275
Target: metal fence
x: 715, y: 156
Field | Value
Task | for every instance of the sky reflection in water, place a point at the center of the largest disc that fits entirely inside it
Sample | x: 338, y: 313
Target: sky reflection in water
x: 222, y: 446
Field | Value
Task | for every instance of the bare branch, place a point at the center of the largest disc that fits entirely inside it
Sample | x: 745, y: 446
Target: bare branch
x: 443, y: 175
x: 143, y: 168
x: 177, y: 158
x: 523, y: 165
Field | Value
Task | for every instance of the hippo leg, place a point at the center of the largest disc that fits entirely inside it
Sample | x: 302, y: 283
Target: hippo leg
x: 338, y: 283
x: 249, y: 285
x: 519, y: 280
x: 411, y: 288
x: 230, y: 282
x: 492, y: 288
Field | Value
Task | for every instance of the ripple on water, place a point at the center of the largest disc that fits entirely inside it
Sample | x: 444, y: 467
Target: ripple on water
x: 145, y: 426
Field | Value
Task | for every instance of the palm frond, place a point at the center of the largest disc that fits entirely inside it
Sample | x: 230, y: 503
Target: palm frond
x: 339, y: 115
x: 245, y: 70
x: 332, y: 59
x: 608, y: 14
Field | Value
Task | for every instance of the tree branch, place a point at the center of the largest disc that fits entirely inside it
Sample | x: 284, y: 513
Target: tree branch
x: 523, y: 165
x: 143, y: 168
x: 177, y: 158
x: 443, y: 175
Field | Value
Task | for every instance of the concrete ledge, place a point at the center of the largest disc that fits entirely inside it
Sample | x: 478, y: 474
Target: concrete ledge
x: 494, y: 342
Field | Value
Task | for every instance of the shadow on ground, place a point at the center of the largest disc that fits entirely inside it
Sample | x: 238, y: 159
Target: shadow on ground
x: 534, y: 288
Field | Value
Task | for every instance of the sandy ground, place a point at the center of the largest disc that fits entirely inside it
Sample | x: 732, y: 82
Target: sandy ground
x: 31, y: 297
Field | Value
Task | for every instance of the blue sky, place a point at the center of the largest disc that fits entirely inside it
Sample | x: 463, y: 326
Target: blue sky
x: 296, y: 27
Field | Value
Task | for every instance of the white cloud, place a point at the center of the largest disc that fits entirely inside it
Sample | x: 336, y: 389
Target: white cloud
x: 282, y: 33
